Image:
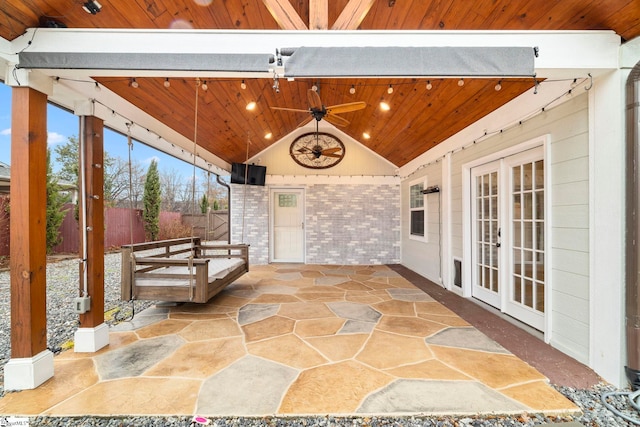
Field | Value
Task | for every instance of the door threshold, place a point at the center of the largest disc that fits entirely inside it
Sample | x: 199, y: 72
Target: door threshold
x: 533, y: 331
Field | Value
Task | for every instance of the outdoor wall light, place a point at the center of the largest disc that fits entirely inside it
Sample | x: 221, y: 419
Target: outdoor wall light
x: 431, y: 190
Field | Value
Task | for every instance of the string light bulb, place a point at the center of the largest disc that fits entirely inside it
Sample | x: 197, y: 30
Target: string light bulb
x: 167, y: 83
x: 352, y: 90
x: 243, y: 85
x: 429, y: 85
x: 204, y: 86
x: 251, y: 106
x: 498, y: 86
x: 390, y: 90
x: 461, y: 82
x: 384, y: 106
x: 134, y: 83
x: 268, y: 135
x: 365, y: 135
x: 314, y: 88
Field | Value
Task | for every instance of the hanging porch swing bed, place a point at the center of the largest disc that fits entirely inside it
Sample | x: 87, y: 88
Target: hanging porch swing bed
x: 180, y: 270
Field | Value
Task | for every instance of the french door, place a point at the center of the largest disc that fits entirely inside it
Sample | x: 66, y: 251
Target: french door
x: 508, y: 231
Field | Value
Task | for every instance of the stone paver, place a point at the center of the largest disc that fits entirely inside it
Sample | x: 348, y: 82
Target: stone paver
x: 290, y: 340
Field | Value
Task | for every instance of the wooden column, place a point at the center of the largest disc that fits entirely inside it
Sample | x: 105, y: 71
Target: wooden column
x: 92, y: 148
x: 28, y: 222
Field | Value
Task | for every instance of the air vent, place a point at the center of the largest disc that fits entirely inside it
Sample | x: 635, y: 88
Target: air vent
x: 457, y: 268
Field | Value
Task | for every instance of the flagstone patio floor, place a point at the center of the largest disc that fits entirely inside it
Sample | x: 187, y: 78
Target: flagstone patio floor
x: 296, y: 340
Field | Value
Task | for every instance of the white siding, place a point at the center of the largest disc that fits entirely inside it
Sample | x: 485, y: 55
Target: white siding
x: 568, y: 166
x: 423, y: 257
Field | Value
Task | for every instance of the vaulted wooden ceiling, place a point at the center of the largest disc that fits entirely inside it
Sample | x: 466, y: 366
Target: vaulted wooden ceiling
x: 419, y: 118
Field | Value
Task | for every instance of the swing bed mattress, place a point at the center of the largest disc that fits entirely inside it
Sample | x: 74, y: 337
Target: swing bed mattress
x: 184, y: 276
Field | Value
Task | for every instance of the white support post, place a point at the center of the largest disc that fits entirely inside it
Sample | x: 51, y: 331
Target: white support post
x: 606, y: 206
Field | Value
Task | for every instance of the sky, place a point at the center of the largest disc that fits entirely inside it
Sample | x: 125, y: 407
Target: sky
x: 62, y: 124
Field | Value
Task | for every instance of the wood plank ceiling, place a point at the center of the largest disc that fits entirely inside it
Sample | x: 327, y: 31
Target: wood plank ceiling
x: 419, y: 118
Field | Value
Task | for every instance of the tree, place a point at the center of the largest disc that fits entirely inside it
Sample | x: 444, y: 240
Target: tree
x: 151, y: 199
x: 55, y: 208
x: 204, y: 204
x: 113, y: 169
x: 171, y: 182
x: 67, y: 156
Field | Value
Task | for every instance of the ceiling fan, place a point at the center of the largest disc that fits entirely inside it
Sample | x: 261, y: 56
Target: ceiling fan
x: 318, y: 111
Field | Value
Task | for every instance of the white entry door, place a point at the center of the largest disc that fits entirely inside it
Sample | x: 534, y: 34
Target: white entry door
x: 287, y: 225
x: 508, y: 232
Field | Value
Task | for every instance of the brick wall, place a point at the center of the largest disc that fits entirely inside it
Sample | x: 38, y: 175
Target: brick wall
x: 251, y: 227
x: 344, y: 224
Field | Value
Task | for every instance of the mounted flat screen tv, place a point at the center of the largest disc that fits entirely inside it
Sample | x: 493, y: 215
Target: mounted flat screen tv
x: 255, y: 175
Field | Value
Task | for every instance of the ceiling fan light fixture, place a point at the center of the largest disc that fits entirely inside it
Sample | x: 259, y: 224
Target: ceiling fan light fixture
x: 92, y: 6
x: 251, y: 106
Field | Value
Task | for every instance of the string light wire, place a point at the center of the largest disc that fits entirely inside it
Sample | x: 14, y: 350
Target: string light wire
x: 487, y: 134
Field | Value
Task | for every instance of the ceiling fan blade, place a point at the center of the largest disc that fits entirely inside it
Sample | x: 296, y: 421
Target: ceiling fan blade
x: 345, y: 108
x: 305, y: 121
x: 330, y: 150
x: 314, y: 99
x: 337, y: 156
x: 290, y: 109
x: 336, y: 120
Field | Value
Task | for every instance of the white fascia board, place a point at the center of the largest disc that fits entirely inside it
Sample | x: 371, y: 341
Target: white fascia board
x: 80, y: 96
x: 630, y: 53
x: 558, y: 49
x: 522, y: 108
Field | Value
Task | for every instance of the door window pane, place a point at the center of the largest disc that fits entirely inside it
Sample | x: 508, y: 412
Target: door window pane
x: 539, y: 171
x: 527, y: 177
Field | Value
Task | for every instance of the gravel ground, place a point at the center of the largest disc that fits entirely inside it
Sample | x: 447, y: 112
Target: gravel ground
x: 62, y: 287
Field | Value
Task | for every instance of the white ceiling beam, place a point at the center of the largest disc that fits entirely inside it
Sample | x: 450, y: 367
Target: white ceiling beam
x: 559, y: 51
x: 116, y: 112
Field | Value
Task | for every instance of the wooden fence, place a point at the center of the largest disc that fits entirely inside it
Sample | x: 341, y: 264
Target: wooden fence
x: 4, y: 225
x: 214, y: 226
x: 119, y: 224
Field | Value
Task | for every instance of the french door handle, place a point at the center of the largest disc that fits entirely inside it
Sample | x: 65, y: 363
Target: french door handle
x: 498, y: 244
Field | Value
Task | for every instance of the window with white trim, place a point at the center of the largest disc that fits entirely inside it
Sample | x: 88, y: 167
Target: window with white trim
x: 417, y: 210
